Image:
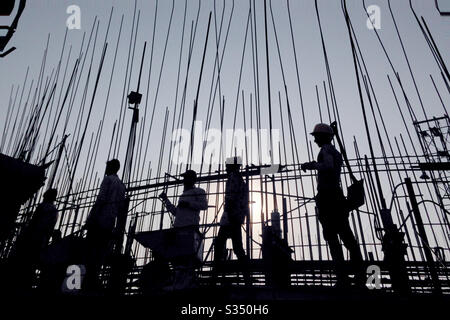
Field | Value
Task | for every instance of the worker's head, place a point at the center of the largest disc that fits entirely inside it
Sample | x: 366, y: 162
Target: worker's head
x: 233, y: 164
x: 50, y: 195
x: 189, y: 178
x: 323, y: 134
x: 112, y: 167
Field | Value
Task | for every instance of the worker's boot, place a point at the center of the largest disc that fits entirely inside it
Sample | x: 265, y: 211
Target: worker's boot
x: 247, y: 278
x: 360, y: 280
x: 217, y: 269
x: 343, y: 283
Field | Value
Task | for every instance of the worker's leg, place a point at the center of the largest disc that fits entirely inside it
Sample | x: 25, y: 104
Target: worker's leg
x: 184, y: 273
x: 329, y: 205
x: 349, y: 240
x: 219, y: 250
x: 98, y: 244
x: 331, y: 236
x: 236, y: 237
x: 92, y: 265
x: 219, y: 243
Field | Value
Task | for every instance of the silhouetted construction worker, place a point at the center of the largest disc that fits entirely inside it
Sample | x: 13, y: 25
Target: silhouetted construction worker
x: 101, y: 222
x: 331, y: 204
x: 35, y: 238
x: 42, y: 225
x: 235, y: 211
x: 187, y: 219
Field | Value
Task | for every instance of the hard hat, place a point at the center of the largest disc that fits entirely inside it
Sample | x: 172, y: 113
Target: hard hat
x: 50, y: 194
x: 322, y: 128
x: 234, y: 161
x: 190, y: 174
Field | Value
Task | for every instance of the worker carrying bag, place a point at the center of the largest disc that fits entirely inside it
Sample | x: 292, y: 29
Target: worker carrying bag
x: 355, y: 192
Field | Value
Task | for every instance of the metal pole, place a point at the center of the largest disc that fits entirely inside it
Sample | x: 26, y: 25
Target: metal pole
x: 285, y: 223
x: 423, y: 236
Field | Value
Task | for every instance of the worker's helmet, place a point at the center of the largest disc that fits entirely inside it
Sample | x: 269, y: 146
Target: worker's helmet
x: 234, y: 162
x: 190, y: 175
x: 323, y: 128
x: 50, y: 195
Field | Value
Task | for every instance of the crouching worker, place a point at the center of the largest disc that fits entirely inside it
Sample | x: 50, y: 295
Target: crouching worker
x: 331, y: 204
x: 187, y: 218
x: 36, y: 237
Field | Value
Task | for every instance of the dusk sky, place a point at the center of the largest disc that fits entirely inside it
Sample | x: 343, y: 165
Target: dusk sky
x: 42, y: 18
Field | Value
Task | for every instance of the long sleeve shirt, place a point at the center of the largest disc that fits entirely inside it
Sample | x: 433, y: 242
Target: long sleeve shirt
x: 42, y: 225
x: 190, y: 216
x: 110, y: 201
x: 236, y: 200
x: 328, y: 166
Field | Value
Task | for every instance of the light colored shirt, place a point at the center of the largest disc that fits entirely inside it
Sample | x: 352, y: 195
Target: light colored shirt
x: 110, y: 201
x: 190, y: 216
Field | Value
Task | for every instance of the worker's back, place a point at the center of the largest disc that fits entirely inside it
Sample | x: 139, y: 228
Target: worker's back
x: 329, y: 170
x: 44, y: 219
x: 196, y: 197
x: 109, y: 203
x: 236, y: 200
x: 37, y: 234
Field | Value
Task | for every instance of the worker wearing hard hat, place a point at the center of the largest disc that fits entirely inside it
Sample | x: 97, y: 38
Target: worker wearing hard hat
x: 187, y: 219
x: 331, y: 205
x: 191, y: 201
x: 235, y: 211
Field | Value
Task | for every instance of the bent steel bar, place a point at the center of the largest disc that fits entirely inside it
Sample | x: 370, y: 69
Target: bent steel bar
x: 444, y: 10
x: 12, y: 28
x: 6, y: 7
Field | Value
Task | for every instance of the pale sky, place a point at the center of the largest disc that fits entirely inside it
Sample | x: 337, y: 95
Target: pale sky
x: 44, y: 17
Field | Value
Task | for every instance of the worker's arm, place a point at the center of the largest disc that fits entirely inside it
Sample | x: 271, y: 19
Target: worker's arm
x: 199, y: 202
x: 233, y: 190
x: 326, y: 163
x: 52, y: 219
x: 104, y: 192
x: 169, y: 205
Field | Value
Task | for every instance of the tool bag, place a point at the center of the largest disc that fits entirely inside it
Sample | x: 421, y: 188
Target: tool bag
x: 355, y: 192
